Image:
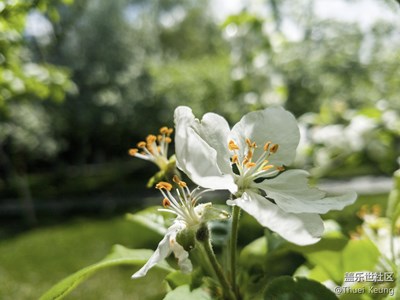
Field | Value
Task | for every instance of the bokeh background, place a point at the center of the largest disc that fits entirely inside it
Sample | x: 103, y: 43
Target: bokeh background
x: 83, y: 81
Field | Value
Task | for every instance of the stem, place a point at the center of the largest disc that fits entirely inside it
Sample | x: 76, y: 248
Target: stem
x: 205, y: 240
x: 234, y: 235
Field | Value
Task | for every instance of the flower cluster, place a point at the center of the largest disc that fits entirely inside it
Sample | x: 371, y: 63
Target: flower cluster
x: 251, y: 161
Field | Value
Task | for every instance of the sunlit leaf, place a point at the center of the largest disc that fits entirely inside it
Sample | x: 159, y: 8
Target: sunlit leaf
x: 184, y: 293
x: 119, y: 256
x: 150, y: 219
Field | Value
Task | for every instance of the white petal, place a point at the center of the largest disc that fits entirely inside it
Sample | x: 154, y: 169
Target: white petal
x: 272, y: 124
x: 162, y: 251
x: 301, y: 229
x: 195, y: 153
x: 215, y: 130
x: 182, y: 255
x: 291, y: 192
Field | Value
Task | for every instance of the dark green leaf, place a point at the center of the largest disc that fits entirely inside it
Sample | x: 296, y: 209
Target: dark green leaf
x: 289, y: 288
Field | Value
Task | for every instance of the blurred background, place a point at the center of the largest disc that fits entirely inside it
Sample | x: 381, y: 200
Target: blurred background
x: 83, y: 81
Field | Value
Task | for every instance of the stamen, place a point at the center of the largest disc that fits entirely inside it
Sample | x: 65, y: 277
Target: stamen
x: 235, y: 159
x: 250, y: 164
x: 248, y: 142
x: 133, y: 151
x: 170, y: 131
x: 178, y: 181
x: 249, y: 154
x: 267, y: 167
x: 274, y: 148
x: 164, y: 130
x: 266, y: 146
x: 232, y: 146
x: 164, y: 185
x: 166, y: 203
x: 168, y: 140
x: 141, y: 144
x: 150, y: 139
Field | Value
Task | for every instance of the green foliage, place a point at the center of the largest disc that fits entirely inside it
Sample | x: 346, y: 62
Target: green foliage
x: 290, y: 288
x: 184, y: 292
x: 119, y: 256
x: 334, y: 264
x: 393, y: 209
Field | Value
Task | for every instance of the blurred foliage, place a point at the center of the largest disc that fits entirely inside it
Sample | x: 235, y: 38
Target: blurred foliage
x: 340, y: 79
x: 107, y: 73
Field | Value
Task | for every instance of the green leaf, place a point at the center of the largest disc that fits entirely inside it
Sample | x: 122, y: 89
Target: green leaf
x: 177, y: 278
x: 336, y: 263
x: 150, y: 219
x: 290, y: 288
x: 184, y: 293
x: 119, y: 256
x: 366, y: 253
x: 254, y: 253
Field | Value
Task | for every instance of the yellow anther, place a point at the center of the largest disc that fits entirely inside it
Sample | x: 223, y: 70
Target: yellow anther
x: 164, y: 130
x: 274, y: 148
x: 170, y: 131
x: 266, y: 146
x: 267, y: 167
x: 141, y: 144
x: 248, y: 142
x: 150, y: 139
x: 232, y: 145
x: 166, y: 203
x: 159, y: 138
x: 250, y: 164
x: 246, y: 160
x: 249, y: 154
x: 178, y: 181
x: 164, y: 185
x: 235, y: 159
x: 168, y: 140
x: 281, y: 168
x: 133, y: 151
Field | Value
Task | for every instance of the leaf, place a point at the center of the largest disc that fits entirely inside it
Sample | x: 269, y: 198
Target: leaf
x: 151, y: 219
x: 364, y: 251
x: 254, y: 253
x: 118, y: 256
x: 290, y: 288
x: 336, y: 263
x: 177, y: 278
x: 184, y: 293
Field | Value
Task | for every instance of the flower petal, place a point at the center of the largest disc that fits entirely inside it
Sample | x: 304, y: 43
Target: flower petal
x: 301, y: 229
x: 272, y: 124
x: 182, y: 255
x: 291, y: 192
x: 196, y: 154
x: 162, y: 251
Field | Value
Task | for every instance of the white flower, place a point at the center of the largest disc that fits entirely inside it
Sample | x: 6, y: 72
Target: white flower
x: 249, y: 161
x: 180, y: 236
